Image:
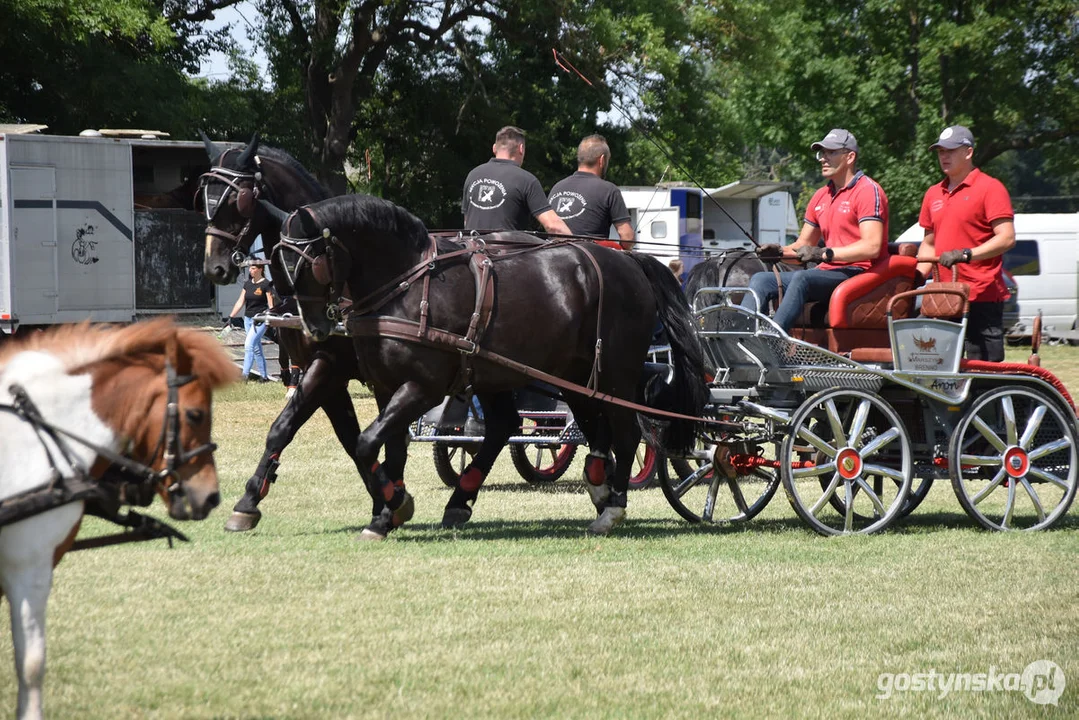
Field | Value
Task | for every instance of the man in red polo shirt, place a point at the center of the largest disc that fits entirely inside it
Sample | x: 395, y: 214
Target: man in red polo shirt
x: 850, y: 213
x: 968, y: 221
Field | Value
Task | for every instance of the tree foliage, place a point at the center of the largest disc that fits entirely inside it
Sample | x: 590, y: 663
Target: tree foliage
x: 896, y: 72
x: 402, y: 97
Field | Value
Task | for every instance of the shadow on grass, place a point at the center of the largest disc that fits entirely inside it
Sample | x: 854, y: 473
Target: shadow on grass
x: 654, y: 528
x: 644, y: 529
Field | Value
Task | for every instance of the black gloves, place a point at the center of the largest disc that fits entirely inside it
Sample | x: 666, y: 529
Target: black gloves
x: 770, y: 253
x: 953, y: 257
x: 810, y: 253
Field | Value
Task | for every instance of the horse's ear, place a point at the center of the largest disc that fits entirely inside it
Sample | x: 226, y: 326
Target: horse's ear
x: 211, y: 149
x: 274, y: 211
x: 249, y: 152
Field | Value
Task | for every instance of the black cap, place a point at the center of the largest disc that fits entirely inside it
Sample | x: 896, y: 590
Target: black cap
x: 953, y: 137
x: 835, y: 139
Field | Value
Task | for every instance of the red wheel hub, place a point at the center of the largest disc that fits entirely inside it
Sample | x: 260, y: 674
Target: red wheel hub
x: 1016, y: 462
x: 848, y: 463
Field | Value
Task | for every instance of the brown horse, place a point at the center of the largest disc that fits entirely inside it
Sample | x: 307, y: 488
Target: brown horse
x: 76, y: 404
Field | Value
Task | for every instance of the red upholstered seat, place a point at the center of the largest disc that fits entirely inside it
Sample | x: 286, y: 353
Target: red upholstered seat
x: 862, y: 301
x: 858, y: 309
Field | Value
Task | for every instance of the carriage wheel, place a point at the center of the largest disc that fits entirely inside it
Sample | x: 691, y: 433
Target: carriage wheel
x: 645, y: 462
x: 451, y: 460
x: 1012, y: 459
x: 700, y: 495
x: 919, y: 489
x: 859, y: 438
x: 542, y: 463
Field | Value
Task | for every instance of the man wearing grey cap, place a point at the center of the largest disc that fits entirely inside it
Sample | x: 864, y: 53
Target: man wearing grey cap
x: 968, y: 221
x: 850, y: 214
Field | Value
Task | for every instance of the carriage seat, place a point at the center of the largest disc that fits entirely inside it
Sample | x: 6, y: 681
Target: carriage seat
x: 857, y: 313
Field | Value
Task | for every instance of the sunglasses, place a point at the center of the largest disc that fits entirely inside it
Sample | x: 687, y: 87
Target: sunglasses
x: 832, y: 153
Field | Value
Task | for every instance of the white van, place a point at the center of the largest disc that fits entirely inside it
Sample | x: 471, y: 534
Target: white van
x: 1044, y: 264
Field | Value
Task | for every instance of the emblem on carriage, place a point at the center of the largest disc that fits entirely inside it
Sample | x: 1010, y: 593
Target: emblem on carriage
x: 486, y: 194
x: 568, y: 204
x: 82, y: 250
x: 925, y: 345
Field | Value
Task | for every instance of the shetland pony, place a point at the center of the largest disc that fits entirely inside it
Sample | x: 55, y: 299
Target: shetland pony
x: 102, y: 389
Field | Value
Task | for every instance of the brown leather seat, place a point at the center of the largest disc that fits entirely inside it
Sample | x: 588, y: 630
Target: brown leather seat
x: 857, y: 312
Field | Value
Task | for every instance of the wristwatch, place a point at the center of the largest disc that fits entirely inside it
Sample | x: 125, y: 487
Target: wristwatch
x: 829, y: 254
x: 968, y: 255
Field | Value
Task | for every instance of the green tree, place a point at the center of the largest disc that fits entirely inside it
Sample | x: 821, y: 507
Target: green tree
x: 896, y: 72
x: 77, y: 64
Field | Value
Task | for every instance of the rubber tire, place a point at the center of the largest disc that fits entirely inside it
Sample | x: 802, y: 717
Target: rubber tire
x: 444, y: 455
x: 644, y: 477
x: 545, y: 475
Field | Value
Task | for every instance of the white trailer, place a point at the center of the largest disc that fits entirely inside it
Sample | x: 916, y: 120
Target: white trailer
x: 70, y: 232
x: 675, y: 221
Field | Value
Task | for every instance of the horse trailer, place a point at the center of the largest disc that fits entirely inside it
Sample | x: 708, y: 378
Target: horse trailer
x: 692, y: 223
x: 98, y: 228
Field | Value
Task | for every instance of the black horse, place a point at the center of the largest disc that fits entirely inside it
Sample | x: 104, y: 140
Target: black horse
x: 227, y: 195
x: 731, y: 268
x: 575, y: 311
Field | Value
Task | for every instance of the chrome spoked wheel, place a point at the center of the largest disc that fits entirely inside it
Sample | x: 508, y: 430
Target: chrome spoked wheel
x: 859, y: 476
x: 733, y: 494
x: 1012, y: 459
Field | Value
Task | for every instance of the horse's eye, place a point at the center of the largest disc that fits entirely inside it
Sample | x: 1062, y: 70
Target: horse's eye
x: 195, y: 416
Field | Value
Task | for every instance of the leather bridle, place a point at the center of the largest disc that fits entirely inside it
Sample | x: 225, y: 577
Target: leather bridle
x: 244, y: 197
x: 145, y: 478
x: 325, y: 266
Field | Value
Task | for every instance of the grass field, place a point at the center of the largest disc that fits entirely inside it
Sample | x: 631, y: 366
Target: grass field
x: 521, y: 615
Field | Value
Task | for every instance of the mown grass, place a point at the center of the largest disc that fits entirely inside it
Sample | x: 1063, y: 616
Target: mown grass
x: 521, y: 615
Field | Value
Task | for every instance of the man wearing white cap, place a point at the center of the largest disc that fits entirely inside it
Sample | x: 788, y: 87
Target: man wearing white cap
x: 968, y: 221
x: 850, y: 214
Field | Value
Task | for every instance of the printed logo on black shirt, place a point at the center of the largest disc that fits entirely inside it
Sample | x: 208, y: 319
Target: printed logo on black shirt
x: 486, y: 194
x: 568, y: 204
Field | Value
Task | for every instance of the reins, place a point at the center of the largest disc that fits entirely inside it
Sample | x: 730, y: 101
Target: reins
x: 361, y: 323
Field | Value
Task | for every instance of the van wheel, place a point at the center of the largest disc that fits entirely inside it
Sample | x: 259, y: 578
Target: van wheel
x: 1075, y: 326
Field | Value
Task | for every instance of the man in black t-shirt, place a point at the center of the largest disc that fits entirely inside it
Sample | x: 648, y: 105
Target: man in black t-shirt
x: 589, y: 204
x: 499, y: 195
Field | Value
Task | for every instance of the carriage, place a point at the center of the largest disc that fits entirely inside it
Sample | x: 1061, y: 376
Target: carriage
x: 856, y: 413
x: 858, y: 418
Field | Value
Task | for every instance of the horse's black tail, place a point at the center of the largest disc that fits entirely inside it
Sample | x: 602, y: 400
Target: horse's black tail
x: 687, y: 393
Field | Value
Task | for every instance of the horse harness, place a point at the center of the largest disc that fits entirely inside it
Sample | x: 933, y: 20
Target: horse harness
x: 481, y: 255
x: 246, y: 201
x: 123, y: 482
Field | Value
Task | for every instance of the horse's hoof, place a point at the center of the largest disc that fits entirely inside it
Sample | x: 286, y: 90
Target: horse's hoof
x: 599, y: 494
x: 369, y: 535
x: 404, y: 511
x: 242, y: 522
x: 608, y: 520
x: 456, y: 517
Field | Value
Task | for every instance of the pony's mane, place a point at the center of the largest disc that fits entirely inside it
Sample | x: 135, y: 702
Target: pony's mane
x: 82, y: 345
x: 283, y: 158
x: 368, y: 213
